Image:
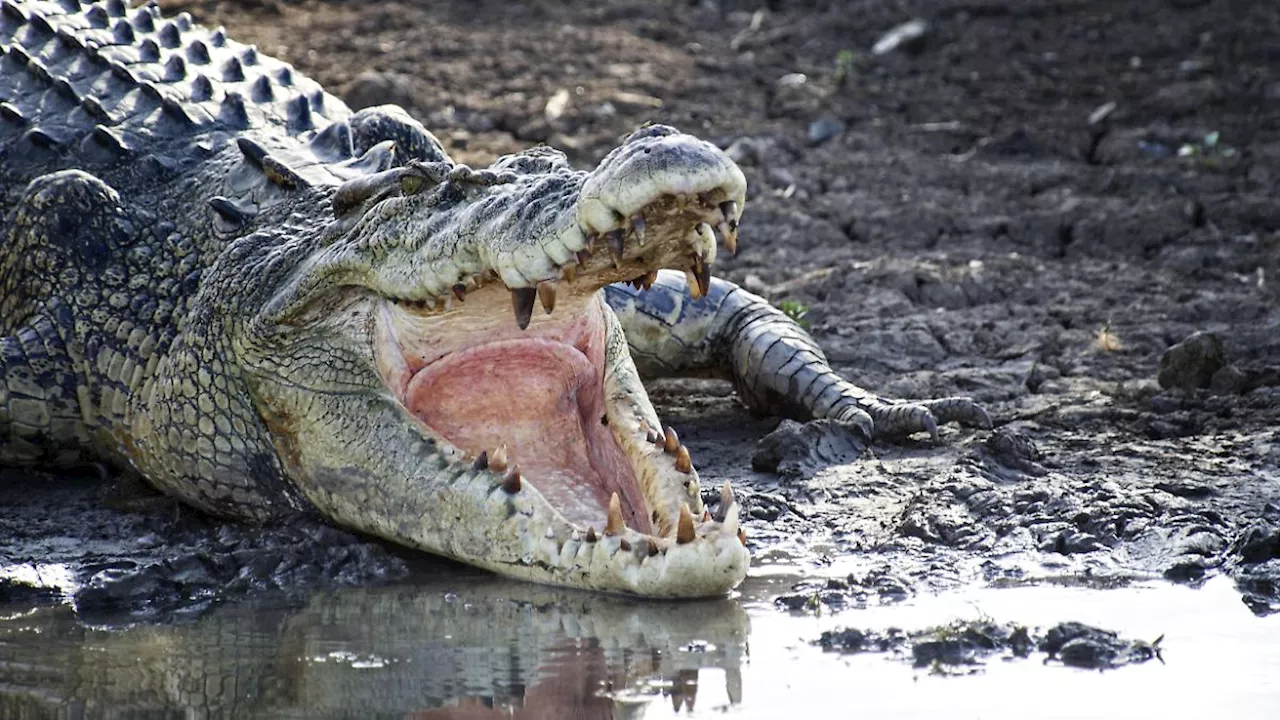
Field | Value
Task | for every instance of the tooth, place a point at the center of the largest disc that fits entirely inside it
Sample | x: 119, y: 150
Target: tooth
x: 695, y: 291
x: 617, y: 242
x: 742, y: 537
x: 726, y: 499
x: 591, y: 535
x: 522, y: 303
x: 614, y: 523
x: 683, y: 463
x: 705, y: 243
x: 671, y: 443
x: 482, y: 462
x: 652, y: 436
x: 730, y: 522
x: 684, y: 529
x: 498, y: 460
x: 570, y: 273
x: 624, y: 546
x: 547, y: 295
x: 703, y: 276
x: 551, y: 533
x: 706, y: 515
x: 583, y: 256
x: 650, y: 279
x: 729, y: 209
x: 511, y: 483
x: 730, y: 235
x: 637, y: 282
x: 653, y: 549
x: 575, y: 536
x: 639, y: 225
x: 460, y: 291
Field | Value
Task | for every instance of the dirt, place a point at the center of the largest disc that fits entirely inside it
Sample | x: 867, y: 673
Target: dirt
x: 1029, y: 203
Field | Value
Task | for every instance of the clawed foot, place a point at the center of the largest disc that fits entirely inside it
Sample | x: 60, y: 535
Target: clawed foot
x: 878, y: 418
x: 802, y: 448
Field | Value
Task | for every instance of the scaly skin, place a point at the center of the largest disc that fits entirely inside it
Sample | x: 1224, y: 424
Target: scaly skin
x: 213, y: 274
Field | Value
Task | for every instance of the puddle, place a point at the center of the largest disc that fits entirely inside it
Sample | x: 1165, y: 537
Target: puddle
x: 477, y: 647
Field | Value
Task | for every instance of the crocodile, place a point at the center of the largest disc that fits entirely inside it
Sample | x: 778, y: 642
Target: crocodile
x: 218, y: 278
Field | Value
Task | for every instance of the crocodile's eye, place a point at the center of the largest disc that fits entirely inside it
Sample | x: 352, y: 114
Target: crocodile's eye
x: 407, y: 180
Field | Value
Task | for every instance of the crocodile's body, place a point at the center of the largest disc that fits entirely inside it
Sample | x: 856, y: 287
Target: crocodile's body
x: 216, y: 275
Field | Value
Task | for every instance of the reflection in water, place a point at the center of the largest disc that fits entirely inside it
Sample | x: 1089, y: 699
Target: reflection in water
x: 478, y: 648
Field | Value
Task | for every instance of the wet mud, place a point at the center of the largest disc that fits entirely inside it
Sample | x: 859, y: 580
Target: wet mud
x: 1029, y: 203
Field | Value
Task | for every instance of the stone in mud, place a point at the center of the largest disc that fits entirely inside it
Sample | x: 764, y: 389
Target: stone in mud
x: 1229, y: 380
x: 1191, y: 364
x: 1080, y: 645
x: 801, y: 449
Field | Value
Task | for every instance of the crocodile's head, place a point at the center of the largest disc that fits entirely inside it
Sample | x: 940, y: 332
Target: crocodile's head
x: 445, y: 374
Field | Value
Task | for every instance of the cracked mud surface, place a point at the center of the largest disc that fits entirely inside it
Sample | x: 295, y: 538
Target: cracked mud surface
x: 953, y: 222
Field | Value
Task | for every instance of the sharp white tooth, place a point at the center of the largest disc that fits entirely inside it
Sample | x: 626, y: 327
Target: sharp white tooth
x: 726, y: 501
x: 638, y: 226
x: 691, y: 281
x: 547, y: 295
x: 684, y: 526
x: 731, y: 519
x: 705, y: 244
x: 551, y: 533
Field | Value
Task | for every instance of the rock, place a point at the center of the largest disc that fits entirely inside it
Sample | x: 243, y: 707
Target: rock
x: 1187, y: 97
x: 1230, y: 380
x: 372, y: 88
x: 795, y: 449
x: 749, y: 150
x: 909, y: 36
x: 825, y: 128
x: 1191, y: 364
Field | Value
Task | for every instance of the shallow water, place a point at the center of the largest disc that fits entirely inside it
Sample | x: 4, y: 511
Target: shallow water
x: 470, y: 646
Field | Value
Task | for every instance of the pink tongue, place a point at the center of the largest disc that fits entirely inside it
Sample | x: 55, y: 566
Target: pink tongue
x: 543, y: 400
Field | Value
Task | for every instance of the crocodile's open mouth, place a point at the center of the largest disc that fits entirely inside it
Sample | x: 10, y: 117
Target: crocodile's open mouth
x: 541, y: 394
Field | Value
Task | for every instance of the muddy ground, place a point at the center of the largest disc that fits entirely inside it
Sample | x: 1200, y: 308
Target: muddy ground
x: 1029, y: 203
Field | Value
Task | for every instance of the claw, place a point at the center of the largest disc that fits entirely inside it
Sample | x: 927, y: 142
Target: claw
x: 930, y: 425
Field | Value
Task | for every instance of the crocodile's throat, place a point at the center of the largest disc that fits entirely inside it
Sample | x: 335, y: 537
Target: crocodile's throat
x: 477, y: 380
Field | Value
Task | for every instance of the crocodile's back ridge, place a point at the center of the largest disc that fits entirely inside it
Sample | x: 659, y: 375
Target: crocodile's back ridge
x: 102, y: 86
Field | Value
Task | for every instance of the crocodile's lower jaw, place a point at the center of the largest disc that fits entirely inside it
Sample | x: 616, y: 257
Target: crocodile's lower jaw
x: 559, y: 405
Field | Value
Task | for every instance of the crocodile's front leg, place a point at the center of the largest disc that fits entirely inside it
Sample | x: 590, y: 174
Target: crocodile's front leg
x: 40, y: 421
x: 775, y: 365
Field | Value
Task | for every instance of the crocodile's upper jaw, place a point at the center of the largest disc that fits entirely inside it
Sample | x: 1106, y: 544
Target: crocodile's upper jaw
x: 511, y: 430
